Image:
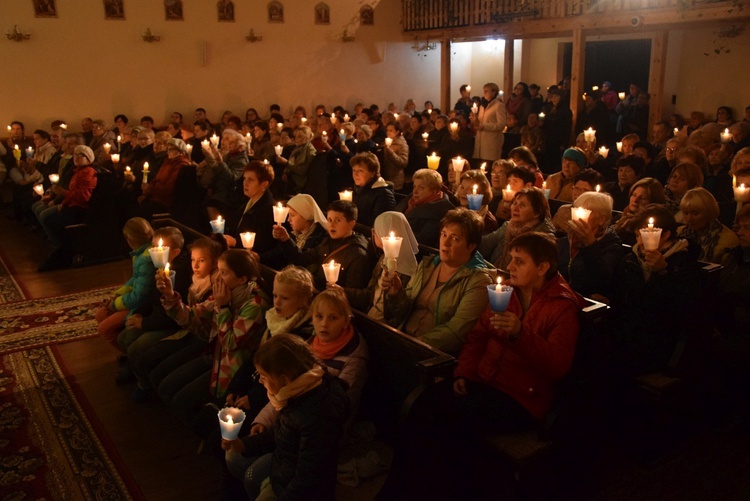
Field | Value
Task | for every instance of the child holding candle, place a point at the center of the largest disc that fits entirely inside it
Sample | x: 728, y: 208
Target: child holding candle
x: 309, y: 228
x: 236, y: 312
x: 297, y: 458
x: 469, y: 180
x: 156, y: 363
x: 134, y: 294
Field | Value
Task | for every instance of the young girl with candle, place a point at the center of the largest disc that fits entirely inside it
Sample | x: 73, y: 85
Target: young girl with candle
x: 236, y: 312
x: 343, y: 353
x: 111, y: 316
x: 153, y: 365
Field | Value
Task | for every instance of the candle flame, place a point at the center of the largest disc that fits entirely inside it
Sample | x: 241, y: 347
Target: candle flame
x: 734, y: 180
x: 392, y: 235
x: 332, y: 264
x: 598, y: 188
x: 145, y: 166
x: 161, y: 243
x: 280, y: 206
x: 219, y: 219
x: 544, y: 185
x: 166, y: 269
x: 229, y: 419
x: 342, y: 131
x: 475, y: 189
x: 507, y: 188
x: 499, y: 280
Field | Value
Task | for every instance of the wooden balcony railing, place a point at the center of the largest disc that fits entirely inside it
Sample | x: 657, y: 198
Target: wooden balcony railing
x: 422, y: 15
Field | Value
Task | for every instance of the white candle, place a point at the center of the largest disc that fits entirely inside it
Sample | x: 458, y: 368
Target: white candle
x: 458, y: 165
x: 119, y: 138
x: 621, y: 95
x: 650, y: 236
x: 388, y: 141
x: 54, y: 178
x: 248, y: 239
x: 346, y: 117
x: 333, y: 120
x: 107, y: 147
x: 230, y: 422
x: 474, y: 108
x: 205, y: 143
x: 115, y: 158
x: 145, y: 172
x: 345, y: 195
x: 603, y: 151
x: 741, y: 193
x: 331, y: 271
x: 278, y: 149
x: 425, y: 135
x: 279, y: 126
x: 392, y: 246
x: 10, y: 128
x: 676, y: 131
x: 39, y: 189
x: 215, y: 140
x: 650, y: 223
x: 453, y: 127
x: 619, y: 146
x: 217, y: 225
x: 508, y: 194
x: 29, y: 152
x: 726, y: 136
x: 483, y: 168
x: 280, y: 213
x: 303, y: 120
x: 127, y: 168
x: 580, y: 214
x: 541, y: 116
x: 433, y: 161
x: 189, y: 149
x: 595, y: 88
x: 589, y: 135
x: 324, y: 135
x: 598, y: 188
x: 468, y: 88
x: 159, y: 254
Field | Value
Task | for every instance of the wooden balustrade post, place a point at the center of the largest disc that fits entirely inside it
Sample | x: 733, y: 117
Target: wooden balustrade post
x: 656, y: 72
x: 577, y: 72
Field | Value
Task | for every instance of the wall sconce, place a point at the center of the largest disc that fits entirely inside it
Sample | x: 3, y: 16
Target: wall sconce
x: 252, y: 37
x: 17, y: 36
x: 150, y: 37
x: 424, y: 46
x: 346, y: 37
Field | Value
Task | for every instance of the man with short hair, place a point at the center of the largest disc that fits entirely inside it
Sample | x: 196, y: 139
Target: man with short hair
x: 660, y: 134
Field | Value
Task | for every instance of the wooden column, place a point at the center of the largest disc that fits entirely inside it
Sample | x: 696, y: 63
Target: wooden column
x: 656, y: 72
x: 445, y: 76
x: 507, y: 85
x: 577, y: 72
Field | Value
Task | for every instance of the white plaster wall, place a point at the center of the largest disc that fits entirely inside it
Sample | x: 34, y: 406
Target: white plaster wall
x: 81, y: 65
x: 461, y: 63
x: 541, y: 59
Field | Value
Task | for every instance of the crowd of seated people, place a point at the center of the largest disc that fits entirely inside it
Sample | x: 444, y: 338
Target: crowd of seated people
x: 557, y: 237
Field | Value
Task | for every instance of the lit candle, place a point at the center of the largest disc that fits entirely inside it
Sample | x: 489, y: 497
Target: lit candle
x: 189, y: 149
x: 346, y: 117
x: 10, y: 128
x: 230, y: 422
x: 17, y: 155
x: 388, y: 141
x: 215, y: 140
x: 279, y: 126
x: 115, y: 158
x: 741, y: 194
x: 603, y: 151
x: 280, y: 213
x: 248, y: 239
x: 541, y: 116
x: 324, y: 135
x: 726, y: 136
x: 650, y: 236
x: 54, y: 178
x: 119, y: 140
x: 159, y: 255
x: 425, y: 135
x: 580, y: 214
x: 278, y: 149
x: 468, y: 88
x: 621, y: 95
x: 545, y: 190
x: 345, y: 195
x: 458, y: 164
x: 474, y: 108
x: 331, y: 271
x: 395, y: 116
x: 391, y: 249
x: 217, y: 225
x: 127, y: 169
x: 107, y: 147
x: 483, y: 168
x: 598, y: 188
x: 508, y: 194
x: 342, y: 135
x: 676, y: 131
x: 589, y: 135
x: 39, y: 189
x: 433, y: 161
x: 595, y: 88
x: 499, y: 295
x: 475, y: 201
x: 619, y: 146
x: 453, y: 127
x: 333, y: 120
x: 303, y: 120
x: 29, y: 152
x: 205, y: 143
x: 65, y: 126
x: 145, y: 172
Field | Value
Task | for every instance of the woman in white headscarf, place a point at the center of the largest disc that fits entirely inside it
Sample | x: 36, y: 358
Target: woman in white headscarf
x: 309, y: 226
x: 370, y: 300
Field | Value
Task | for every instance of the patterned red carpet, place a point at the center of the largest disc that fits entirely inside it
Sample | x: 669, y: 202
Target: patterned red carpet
x: 51, y: 444
x: 10, y: 289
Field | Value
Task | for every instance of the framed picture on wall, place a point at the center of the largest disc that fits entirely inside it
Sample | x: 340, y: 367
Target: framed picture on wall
x: 367, y: 15
x: 173, y: 10
x: 113, y: 9
x: 275, y: 12
x: 322, y: 14
x: 45, y: 8
x: 226, y: 10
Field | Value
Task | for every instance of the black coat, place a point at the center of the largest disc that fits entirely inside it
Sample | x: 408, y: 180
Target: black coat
x: 425, y: 219
x: 259, y: 219
x: 593, y: 269
x: 356, y: 265
x: 371, y: 202
x: 305, y: 443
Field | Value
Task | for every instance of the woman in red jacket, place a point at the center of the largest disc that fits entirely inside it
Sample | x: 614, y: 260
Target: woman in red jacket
x: 512, y: 360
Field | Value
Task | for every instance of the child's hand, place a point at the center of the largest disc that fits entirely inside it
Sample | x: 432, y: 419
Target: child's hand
x: 257, y: 428
x: 235, y: 445
x: 222, y: 294
x: 243, y: 403
x: 135, y: 321
x: 280, y: 233
x: 164, y: 284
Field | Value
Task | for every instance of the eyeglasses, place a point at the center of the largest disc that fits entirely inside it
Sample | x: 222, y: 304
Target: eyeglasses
x: 497, y: 174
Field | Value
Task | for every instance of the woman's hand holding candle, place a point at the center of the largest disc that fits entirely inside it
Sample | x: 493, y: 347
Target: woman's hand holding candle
x: 507, y: 322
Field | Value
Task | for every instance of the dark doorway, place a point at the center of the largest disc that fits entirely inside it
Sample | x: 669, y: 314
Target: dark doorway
x: 621, y: 62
